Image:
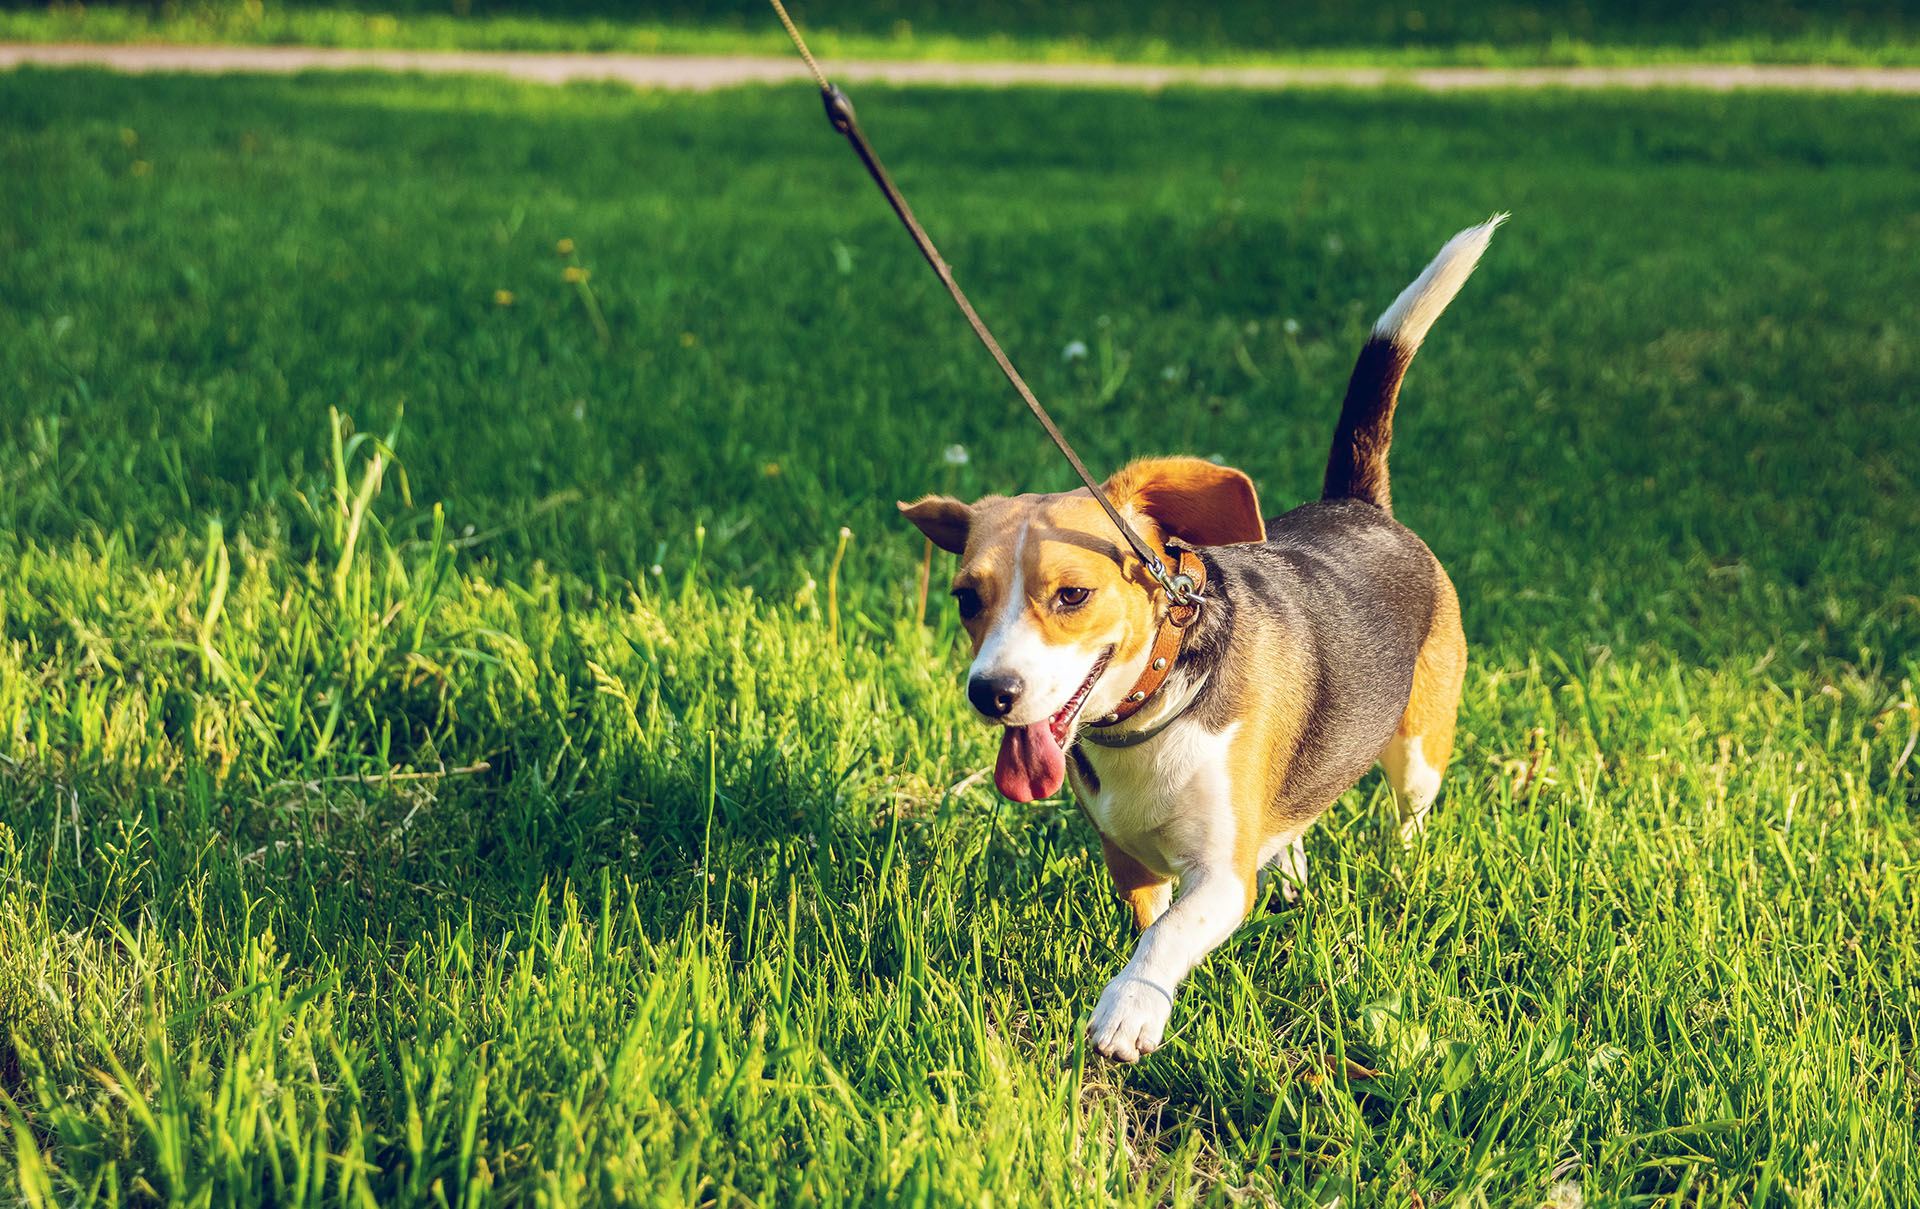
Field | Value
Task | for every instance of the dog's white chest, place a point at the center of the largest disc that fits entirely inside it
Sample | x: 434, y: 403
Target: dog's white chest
x: 1167, y: 802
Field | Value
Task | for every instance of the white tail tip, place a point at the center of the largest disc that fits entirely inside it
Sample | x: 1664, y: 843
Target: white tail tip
x: 1405, y: 323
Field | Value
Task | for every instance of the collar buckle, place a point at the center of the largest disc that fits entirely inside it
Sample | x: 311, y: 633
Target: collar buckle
x: 1179, y: 586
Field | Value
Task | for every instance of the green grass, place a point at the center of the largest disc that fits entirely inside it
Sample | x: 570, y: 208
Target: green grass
x: 1438, y: 32
x: 506, y: 792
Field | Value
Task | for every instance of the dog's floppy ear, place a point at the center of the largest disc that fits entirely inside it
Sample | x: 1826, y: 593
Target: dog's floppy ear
x: 942, y: 518
x: 1193, y: 500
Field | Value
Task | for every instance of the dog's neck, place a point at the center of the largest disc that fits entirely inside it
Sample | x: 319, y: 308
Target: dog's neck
x: 1162, y: 710
x: 1185, y: 686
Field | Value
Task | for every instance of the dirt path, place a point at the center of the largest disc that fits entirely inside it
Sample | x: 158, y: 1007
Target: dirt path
x: 702, y: 72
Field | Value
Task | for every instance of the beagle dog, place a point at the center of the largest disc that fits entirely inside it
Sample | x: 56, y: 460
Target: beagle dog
x: 1204, y: 738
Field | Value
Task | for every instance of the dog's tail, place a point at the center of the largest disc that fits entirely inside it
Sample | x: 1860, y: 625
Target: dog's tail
x: 1357, y: 465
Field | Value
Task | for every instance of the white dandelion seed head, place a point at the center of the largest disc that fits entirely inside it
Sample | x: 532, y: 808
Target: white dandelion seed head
x: 657, y: 569
x: 1565, y: 1195
x: 1291, y: 327
x: 1171, y: 373
x: 1076, y: 350
x: 955, y: 455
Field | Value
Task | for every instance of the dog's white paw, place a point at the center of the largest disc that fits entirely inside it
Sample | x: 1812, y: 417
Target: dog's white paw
x: 1130, y: 1018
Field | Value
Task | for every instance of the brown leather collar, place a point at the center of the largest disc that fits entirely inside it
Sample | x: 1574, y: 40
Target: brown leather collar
x: 1166, y: 644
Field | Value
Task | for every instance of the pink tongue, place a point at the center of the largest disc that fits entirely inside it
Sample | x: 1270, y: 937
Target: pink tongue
x: 1031, y: 764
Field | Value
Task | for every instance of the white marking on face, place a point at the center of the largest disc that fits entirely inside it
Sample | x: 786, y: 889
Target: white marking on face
x: 1049, y: 674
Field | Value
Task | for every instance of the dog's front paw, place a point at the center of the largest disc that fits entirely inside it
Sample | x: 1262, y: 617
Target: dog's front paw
x: 1130, y: 1018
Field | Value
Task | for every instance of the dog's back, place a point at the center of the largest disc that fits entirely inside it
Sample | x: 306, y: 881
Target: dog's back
x: 1338, y: 603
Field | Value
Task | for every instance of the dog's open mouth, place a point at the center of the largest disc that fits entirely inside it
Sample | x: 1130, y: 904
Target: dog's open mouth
x: 1062, y: 722
x: 1032, y: 762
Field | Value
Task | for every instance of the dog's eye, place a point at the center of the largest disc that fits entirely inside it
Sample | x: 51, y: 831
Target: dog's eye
x: 969, y: 602
x: 1072, y: 598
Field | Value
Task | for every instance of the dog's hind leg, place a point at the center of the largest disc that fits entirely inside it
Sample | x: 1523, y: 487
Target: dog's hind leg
x: 1415, y: 759
x: 1283, y: 867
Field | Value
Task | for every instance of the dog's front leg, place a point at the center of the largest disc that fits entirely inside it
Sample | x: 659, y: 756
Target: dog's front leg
x: 1132, y: 1013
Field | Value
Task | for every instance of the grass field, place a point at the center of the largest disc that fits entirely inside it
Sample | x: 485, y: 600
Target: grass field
x: 1516, y: 32
x: 451, y: 753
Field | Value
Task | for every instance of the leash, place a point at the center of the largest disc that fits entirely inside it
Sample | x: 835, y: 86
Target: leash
x: 1180, y: 588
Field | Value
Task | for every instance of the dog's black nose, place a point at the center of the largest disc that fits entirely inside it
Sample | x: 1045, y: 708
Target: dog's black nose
x: 994, y: 695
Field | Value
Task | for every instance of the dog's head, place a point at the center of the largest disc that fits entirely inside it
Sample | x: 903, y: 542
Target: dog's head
x: 1061, y: 613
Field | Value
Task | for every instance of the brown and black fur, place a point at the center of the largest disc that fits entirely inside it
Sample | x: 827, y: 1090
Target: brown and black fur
x: 1341, y: 630
x: 1329, y: 640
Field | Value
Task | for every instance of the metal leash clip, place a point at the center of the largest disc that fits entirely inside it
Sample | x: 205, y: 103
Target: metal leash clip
x: 1180, y: 589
